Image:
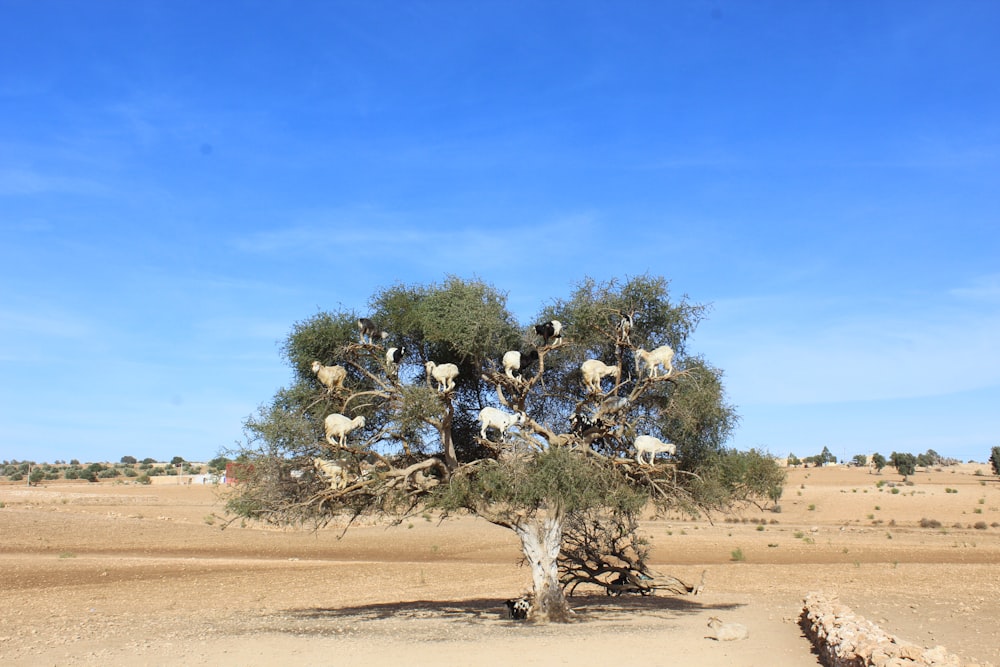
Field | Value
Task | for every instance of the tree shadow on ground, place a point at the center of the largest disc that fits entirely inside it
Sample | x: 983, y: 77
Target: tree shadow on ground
x: 588, y: 608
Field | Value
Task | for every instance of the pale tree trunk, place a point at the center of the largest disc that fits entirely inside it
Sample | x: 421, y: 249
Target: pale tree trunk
x: 541, y: 540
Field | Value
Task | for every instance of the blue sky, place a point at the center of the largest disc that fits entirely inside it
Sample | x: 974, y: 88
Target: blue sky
x: 182, y: 181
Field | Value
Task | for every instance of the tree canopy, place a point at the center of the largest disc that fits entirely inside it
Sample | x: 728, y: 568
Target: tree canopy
x: 568, y: 450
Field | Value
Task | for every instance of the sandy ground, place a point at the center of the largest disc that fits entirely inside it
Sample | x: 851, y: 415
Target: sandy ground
x: 116, y: 574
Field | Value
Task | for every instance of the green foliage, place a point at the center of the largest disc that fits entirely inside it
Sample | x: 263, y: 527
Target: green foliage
x: 731, y: 477
x: 860, y: 460
x: 878, y: 461
x: 793, y: 460
x: 905, y: 464
x: 928, y: 459
x: 218, y: 464
x: 408, y: 424
x: 36, y: 476
x: 131, y: 460
x: 556, y: 479
x: 995, y: 460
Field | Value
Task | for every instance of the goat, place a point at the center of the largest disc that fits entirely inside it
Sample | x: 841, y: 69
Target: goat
x: 594, y: 371
x: 445, y: 375
x: 499, y: 420
x: 551, y: 330
x: 661, y: 356
x: 335, y: 470
x: 393, y: 356
x: 518, y: 608
x: 332, y: 377
x: 516, y: 361
x: 624, y: 328
x: 611, y: 405
x: 337, y: 425
x: 368, y: 328
x: 580, y: 423
x: 727, y: 632
x: 647, y: 444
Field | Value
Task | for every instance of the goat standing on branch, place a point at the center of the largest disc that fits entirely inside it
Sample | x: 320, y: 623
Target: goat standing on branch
x: 338, y: 426
x: 594, y: 371
x: 334, y: 470
x: 444, y: 374
x: 551, y: 330
x: 651, y: 446
x: 518, y: 361
x: 661, y: 356
x: 332, y: 377
x: 498, y: 419
x: 370, y: 330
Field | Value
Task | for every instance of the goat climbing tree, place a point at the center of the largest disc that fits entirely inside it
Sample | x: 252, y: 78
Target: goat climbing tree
x: 567, y: 459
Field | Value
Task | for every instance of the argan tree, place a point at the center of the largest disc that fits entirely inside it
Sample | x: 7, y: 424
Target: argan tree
x: 565, y: 463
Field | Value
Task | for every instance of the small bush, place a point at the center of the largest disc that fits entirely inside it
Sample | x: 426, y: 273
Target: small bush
x: 930, y: 523
x: 979, y: 525
x: 737, y: 555
x: 894, y: 490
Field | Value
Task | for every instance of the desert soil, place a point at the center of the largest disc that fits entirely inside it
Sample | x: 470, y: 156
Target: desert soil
x: 120, y: 574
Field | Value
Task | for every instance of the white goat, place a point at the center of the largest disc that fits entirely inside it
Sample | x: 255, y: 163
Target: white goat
x: 332, y: 377
x: 498, y: 419
x: 516, y: 361
x: 661, y: 356
x: 335, y: 470
x: 594, y: 370
x: 338, y: 426
x: 727, y: 632
x: 445, y: 375
x: 647, y: 444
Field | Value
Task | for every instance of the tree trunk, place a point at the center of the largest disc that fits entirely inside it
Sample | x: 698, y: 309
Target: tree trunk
x: 448, y: 442
x: 541, y: 541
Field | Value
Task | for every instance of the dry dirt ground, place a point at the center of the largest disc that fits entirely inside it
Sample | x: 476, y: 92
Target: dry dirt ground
x: 116, y: 574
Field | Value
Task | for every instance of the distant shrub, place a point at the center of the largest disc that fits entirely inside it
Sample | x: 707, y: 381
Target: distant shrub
x: 979, y: 525
x: 894, y: 490
x: 737, y: 555
x: 930, y: 523
x: 143, y: 479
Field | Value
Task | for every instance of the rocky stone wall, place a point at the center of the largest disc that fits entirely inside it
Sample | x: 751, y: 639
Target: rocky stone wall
x: 844, y: 639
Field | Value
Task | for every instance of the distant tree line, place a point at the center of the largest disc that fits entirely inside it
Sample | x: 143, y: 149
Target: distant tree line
x: 129, y: 468
x: 905, y: 464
